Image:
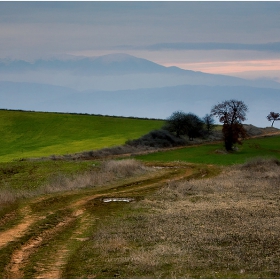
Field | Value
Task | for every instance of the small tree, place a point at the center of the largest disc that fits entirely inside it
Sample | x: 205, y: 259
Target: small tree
x: 209, y: 122
x: 231, y: 113
x: 194, y: 126
x: 272, y: 117
x: 176, y: 123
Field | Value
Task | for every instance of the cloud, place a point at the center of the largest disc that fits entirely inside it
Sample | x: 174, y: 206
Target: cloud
x: 230, y: 67
x: 36, y: 29
x: 270, y: 47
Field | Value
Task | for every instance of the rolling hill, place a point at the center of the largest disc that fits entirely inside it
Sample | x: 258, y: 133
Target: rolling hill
x: 34, y: 134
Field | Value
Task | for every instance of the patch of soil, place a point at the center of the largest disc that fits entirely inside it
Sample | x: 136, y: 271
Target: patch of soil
x: 8, y: 217
x: 18, y: 230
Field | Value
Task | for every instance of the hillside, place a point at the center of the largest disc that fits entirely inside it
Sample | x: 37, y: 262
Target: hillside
x: 36, y: 134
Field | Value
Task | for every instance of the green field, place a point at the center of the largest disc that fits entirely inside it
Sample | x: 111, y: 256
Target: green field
x: 213, y: 153
x: 37, y: 134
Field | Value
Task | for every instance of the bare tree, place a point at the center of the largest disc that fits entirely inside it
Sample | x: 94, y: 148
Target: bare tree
x: 231, y: 113
x: 272, y: 117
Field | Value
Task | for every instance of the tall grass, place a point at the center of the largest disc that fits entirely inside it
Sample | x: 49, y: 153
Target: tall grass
x: 108, y: 172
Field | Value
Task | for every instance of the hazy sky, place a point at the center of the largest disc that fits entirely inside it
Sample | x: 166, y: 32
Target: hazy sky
x: 235, y: 38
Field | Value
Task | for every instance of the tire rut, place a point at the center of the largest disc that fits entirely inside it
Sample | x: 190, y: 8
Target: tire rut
x: 18, y: 230
x: 20, y: 256
x: 54, y: 269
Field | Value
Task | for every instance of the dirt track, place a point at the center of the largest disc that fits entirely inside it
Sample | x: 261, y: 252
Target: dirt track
x: 51, y: 264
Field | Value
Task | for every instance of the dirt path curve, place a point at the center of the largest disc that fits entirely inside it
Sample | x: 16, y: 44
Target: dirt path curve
x: 52, y: 268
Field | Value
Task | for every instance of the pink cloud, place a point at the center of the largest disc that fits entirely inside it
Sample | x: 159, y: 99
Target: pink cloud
x: 230, y: 67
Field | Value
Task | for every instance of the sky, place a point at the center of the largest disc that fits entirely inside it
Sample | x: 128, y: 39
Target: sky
x: 233, y: 38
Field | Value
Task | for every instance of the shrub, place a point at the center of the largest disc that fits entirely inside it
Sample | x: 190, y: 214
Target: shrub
x: 158, y: 139
x: 181, y: 123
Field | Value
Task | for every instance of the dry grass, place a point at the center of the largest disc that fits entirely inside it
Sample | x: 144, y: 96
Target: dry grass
x: 222, y: 227
x: 108, y: 172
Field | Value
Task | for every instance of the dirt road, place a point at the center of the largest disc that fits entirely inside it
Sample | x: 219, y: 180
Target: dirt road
x: 53, y: 226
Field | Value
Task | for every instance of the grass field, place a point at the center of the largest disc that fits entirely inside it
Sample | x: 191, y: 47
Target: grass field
x: 192, y: 213
x: 37, y: 134
x: 213, y: 153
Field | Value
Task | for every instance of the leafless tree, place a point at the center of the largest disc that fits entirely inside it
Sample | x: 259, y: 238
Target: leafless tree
x: 272, y: 117
x: 231, y: 113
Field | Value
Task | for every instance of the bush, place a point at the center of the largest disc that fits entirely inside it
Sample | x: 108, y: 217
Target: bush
x: 158, y: 139
x: 181, y: 123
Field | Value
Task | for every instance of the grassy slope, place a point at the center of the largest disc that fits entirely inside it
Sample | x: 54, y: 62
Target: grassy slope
x: 209, y: 154
x: 35, y: 134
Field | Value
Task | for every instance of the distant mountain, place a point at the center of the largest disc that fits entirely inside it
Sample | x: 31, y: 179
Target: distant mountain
x: 114, y: 72
x: 116, y: 64
x: 124, y: 85
x: 149, y: 102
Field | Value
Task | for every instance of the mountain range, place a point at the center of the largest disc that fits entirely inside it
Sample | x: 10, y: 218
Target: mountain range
x: 123, y: 85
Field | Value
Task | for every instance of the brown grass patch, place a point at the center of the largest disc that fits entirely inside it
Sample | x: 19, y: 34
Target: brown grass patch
x: 222, y: 227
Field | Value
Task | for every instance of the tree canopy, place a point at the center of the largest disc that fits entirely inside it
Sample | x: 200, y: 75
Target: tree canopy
x: 181, y: 124
x: 176, y: 123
